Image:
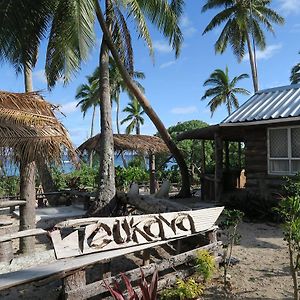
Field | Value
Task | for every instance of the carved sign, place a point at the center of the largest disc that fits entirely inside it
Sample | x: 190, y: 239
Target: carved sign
x: 88, y: 235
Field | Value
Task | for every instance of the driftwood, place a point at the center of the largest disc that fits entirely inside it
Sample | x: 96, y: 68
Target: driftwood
x: 150, y: 204
x: 23, y: 233
x: 10, y: 203
x: 102, y: 234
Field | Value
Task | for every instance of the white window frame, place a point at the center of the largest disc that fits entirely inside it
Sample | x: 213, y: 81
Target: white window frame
x: 289, y: 158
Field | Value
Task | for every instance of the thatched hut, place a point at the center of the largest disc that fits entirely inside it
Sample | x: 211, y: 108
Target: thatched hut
x: 29, y: 131
x: 144, y: 144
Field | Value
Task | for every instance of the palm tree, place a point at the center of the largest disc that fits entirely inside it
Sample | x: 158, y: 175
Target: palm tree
x: 70, y: 38
x: 295, y: 74
x: 223, y: 90
x: 135, y: 112
x: 88, y: 96
x: 243, y: 21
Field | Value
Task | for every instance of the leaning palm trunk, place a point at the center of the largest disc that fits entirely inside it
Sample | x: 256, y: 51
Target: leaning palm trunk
x: 105, y: 199
x: 92, y: 134
x: 185, y: 189
x: 252, y: 64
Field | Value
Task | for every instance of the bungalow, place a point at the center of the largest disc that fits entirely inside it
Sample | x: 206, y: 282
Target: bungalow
x: 268, y: 125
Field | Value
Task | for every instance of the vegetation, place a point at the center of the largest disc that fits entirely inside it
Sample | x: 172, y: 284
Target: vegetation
x: 9, y: 186
x: 148, y: 292
x: 295, y: 74
x: 243, y: 22
x: 184, y: 290
x: 135, y: 112
x: 205, y: 264
x: 229, y: 226
x: 223, y: 90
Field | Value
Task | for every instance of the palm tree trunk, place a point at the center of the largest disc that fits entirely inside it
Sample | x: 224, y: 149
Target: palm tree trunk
x: 138, y: 128
x: 118, y: 131
x: 27, y: 186
x: 92, y: 134
x: 185, y: 189
x: 105, y: 200
x: 252, y: 64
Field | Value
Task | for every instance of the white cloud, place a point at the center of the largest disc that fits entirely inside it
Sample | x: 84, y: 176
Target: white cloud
x: 40, y: 76
x: 270, y: 51
x: 162, y: 46
x: 167, y: 64
x: 68, y: 107
x: 184, y: 110
x: 187, y: 27
x: 289, y: 6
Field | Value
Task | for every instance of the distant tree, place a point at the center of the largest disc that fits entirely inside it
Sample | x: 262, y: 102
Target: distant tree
x: 135, y: 112
x: 243, y: 19
x: 223, y: 90
x: 295, y: 74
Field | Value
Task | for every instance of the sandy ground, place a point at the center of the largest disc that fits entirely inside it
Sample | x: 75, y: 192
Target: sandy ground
x: 263, y: 270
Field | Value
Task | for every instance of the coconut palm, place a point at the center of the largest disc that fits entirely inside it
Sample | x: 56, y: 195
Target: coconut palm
x: 295, y: 74
x: 72, y: 35
x: 223, y: 90
x: 243, y: 21
x: 135, y: 112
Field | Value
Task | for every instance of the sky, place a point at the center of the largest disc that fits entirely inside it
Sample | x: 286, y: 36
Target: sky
x: 173, y: 86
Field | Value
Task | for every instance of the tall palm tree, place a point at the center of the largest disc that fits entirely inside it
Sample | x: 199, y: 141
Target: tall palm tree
x: 65, y: 54
x: 223, y: 90
x: 295, y: 74
x: 135, y: 112
x: 243, y: 21
x: 88, y: 95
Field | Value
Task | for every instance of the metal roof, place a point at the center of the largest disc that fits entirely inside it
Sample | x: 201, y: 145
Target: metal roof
x: 269, y: 104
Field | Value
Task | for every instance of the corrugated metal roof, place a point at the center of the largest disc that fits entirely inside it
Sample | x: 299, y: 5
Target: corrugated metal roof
x: 275, y: 103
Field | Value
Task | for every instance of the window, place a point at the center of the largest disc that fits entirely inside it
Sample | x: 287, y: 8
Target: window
x: 284, y: 150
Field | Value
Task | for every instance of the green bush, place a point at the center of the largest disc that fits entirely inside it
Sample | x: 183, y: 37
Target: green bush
x: 184, y: 290
x: 205, y: 264
x: 125, y: 176
x: 9, y: 186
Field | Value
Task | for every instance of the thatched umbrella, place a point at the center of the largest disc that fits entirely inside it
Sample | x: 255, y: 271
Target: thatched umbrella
x: 30, y: 130
x: 143, y: 144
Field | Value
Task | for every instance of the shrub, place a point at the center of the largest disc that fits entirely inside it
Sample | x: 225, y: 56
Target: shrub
x: 149, y: 292
x: 205, y: 264
x: 9, y: 186
x: 184, y: 290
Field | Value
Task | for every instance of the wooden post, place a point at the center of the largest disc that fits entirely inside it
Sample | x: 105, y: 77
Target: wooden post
x: 74, y: 282
x: 152, y: 173
x: 178, y: 246
x: 240, y: 155
x: 203, y: 158
x: 27, y: 212
x: 6, y: 251
x: 227, y: 155
x: 146, y: 257
x: 218, y: 167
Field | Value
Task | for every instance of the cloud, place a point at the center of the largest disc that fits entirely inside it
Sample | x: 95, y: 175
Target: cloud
x: 162, y: 47
x: 187, y: 27
x: 289, y: 6
x: 270, y: 51
x: 167, y: 64
x: 68, y: 107
x: 39, y: 75
x: 184, y: 110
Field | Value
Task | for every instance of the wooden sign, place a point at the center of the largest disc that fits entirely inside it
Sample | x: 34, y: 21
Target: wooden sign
x: 88, y: 235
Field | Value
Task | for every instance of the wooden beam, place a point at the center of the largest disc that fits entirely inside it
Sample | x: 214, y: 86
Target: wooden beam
x: 21, y: 234
x: 11, y: 203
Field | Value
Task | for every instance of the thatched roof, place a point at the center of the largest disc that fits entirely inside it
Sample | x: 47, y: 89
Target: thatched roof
x: 139, y: 143
x: 29, y: 127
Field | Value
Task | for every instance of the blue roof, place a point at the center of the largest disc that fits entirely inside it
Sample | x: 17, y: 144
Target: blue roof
x: 275, y: 103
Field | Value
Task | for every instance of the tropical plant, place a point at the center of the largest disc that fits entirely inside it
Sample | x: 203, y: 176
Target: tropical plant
x: 184, y: 290
x: 229, y: 225
x: 243, y: 22
x: 205, y: 264
x: 223, y: 90
x: 295, y: 74
x: 135, y: 112
x: 148, y: 292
